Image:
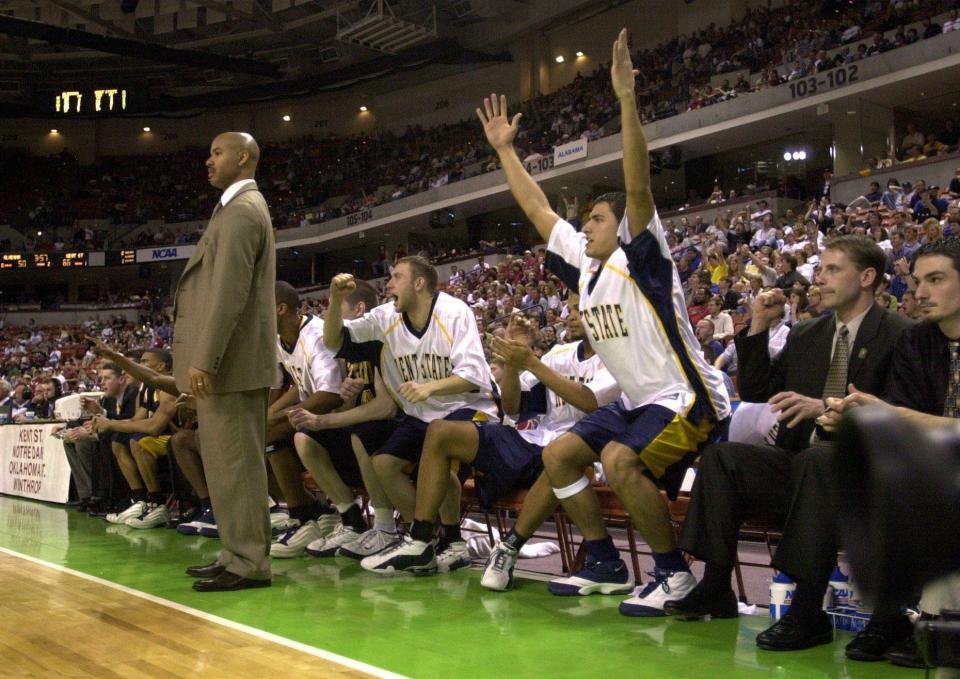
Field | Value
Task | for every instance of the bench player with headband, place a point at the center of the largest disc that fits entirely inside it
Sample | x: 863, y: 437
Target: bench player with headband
x: 632, y: 305
x: 550, y: 394
x: 432, y: 362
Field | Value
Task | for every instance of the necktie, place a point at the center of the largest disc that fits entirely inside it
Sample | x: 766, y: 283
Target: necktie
x: 951, y: 406
x: 836, y: 386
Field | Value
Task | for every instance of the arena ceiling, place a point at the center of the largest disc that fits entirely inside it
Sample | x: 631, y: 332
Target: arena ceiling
x: 182, y: 51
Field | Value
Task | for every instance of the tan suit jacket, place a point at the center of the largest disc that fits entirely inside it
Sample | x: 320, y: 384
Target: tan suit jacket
x: 224, y: 309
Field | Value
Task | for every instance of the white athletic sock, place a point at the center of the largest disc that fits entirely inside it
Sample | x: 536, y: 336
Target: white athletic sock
x: 383, y: 519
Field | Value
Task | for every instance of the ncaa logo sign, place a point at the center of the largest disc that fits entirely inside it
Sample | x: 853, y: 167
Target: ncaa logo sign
x: 164, y: 253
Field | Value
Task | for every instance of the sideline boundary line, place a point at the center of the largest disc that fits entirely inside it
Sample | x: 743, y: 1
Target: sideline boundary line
x: 216, y: 619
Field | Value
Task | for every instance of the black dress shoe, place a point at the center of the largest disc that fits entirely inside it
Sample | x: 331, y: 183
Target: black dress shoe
x: 878, y: 637
x: 906, y: 654
x: 211, y: 570
x: 74, y: 503
x: 228, y: 582
x: 791, y: 633
x: 700, y: 603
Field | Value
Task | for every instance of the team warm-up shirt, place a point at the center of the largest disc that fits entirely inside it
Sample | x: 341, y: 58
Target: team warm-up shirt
x: 449, y: 345
x: 633, y: 307
x: 557, y: 415
x: 311, y: 366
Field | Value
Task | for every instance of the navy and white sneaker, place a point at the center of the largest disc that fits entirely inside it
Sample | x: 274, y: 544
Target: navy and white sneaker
x: 406, y: 555
x: 453, y: 557
x: 328, y: 546
x: 210, y: 531
x: 665, y: 586
x: 498, y: 573
x: 204, y: 520
x: 293, y: 542
x: 369, y: 543
x: 596, y: 577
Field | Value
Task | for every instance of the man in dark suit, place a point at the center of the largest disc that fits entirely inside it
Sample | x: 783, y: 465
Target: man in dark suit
x: 792, y: 479
x: 225, y: 355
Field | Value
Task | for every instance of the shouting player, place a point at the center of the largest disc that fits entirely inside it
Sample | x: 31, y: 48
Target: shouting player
x: 432, y: 362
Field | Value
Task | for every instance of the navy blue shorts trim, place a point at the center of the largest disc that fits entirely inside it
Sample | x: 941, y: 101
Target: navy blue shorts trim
x: 337, y: 444
x: 666, y: 443
x: 505, y: 461
x: 406, y: 440
x: 373, y: 434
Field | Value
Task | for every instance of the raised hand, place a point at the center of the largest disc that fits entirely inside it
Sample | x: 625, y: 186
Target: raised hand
x: 766, y: 310
x: 342, y: 285
x: 500, y: 130
x: 622, y: 73
x: 100, y: 348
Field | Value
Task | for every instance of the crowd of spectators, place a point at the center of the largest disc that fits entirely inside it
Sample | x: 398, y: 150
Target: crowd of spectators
x: 311, y: 180
x: 723, y: 264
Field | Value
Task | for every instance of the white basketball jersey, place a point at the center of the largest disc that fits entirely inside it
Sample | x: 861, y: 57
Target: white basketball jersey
x: 311, y: 366
x: 633, y: 307
x: 449, y: 345
x: 568, y: 361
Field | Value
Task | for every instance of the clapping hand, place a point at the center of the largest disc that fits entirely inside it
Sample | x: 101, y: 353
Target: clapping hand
x: 519, y: 329
x: 515, y: 354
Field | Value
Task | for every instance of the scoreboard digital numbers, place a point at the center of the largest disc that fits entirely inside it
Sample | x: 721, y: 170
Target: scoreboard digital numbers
x: 50, y: 260
x: 13, y: 261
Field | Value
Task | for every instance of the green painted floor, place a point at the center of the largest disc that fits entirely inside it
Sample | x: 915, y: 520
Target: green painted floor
x: 444, y: 626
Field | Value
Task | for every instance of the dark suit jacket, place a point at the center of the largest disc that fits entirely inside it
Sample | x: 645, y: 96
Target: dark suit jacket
x: 803, y: 365
x: 225, y: 311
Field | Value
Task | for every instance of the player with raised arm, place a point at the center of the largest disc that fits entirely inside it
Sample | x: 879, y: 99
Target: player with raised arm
x: 632, y: 304
x: 432, y: 362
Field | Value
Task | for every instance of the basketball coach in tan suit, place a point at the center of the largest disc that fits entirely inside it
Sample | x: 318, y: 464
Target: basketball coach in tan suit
x: 225, y: 354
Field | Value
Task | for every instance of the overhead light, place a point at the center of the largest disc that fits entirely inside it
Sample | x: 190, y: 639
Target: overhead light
x: 580, y: 54
x: 286, y: 119
x: 802, y: 155
x: 54, y: 130
x: 363, y: 109
x: 146, y: 129
x: 786, y: 155
x: 560, y: 59
x: 39, y: 233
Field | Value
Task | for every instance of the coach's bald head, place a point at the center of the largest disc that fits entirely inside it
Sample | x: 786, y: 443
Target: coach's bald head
x: 233, y: 157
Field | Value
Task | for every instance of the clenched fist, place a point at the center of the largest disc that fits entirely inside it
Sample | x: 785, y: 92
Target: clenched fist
x: 342, y: 285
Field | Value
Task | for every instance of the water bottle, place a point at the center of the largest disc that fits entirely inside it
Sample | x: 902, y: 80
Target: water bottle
x: 781, y: 595
x: 838, y: 589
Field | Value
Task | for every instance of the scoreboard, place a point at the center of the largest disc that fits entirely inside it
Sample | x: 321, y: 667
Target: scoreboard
x: 51, y: 260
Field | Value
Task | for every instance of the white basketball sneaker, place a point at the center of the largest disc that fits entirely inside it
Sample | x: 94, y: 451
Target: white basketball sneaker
x: 453, y: 557
x: 133, y: 511
x: 154, y: 515
x: 328, y: 546
x: 665, y: 586
x: 293, y: 541
x: 498, y: 574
